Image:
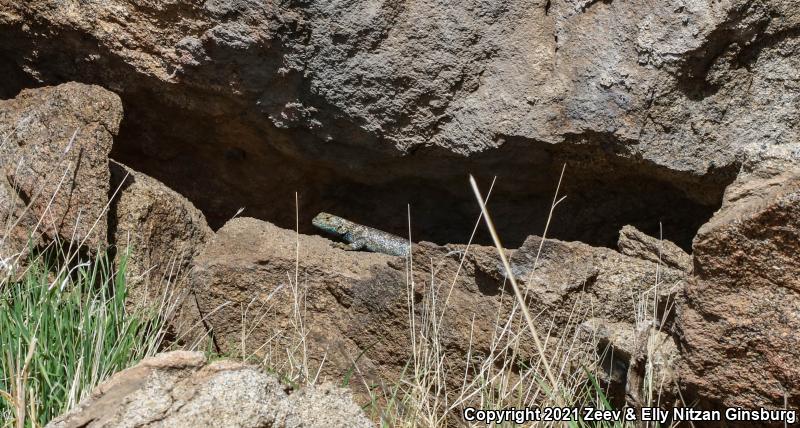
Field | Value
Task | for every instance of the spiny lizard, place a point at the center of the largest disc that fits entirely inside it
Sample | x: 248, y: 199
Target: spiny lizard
x: 361, y: 237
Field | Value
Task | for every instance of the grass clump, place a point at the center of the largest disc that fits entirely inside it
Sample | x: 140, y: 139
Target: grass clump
x: 63, y: 330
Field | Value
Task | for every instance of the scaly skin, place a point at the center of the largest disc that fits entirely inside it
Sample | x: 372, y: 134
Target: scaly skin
x: 362, y: 237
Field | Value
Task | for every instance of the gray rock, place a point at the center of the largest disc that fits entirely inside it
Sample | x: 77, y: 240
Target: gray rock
x: 312, y: 407
x: 653, y: 105
x: 635, y: 361
x: 181, y: 389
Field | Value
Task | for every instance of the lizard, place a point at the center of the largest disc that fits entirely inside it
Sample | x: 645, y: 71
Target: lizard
x: 360, y: 237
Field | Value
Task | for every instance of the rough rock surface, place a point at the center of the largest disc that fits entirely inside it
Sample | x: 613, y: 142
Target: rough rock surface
x: 181, y: 389
x: 357, y: 302
x: 444, y: 71
x: 54, y: 154
x: 635, y: 243
x: 626, y: 352
x: 158, y: 232
x: 13, y: 245
x: 652, y: 104
x: 161, y: 229
x: 365, y: 107
x: 741, y: 312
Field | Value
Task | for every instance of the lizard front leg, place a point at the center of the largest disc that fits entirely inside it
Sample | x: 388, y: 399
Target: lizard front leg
x: 353, y: 246
x: 357, y: 245
x: 341, y: 245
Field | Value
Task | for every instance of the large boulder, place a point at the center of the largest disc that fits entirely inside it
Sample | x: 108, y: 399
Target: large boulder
x: 441, y: 73
x: 741, y: 313
x: 160, y: 230
x: 181, y: 389
x: 268, y: 292
x: 366, y: 106
x: 157, y: 232
x: 253, y: 281
x: 54, y: 160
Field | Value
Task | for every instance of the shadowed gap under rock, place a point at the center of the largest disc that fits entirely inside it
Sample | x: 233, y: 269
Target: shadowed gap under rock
x: 235, y: 165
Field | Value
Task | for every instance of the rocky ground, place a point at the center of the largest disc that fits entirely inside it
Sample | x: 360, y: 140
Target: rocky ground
x: 145, y: 126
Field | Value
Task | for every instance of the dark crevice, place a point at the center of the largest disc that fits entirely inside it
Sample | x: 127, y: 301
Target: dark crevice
x: 604, y: 191
x: 14, y: 79
x: 120, y: 181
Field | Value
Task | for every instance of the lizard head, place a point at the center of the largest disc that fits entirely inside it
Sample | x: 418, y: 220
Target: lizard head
x: 330, y: 223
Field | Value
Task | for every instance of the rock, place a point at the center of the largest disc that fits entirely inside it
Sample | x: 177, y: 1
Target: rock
x: 14, y: 236
x: 567, y: 272
x: 740, y: 315
x: 632, y: 359
x: 181, y: 389
x: 253, y: 283
x: 614, y: 345
x: 312, y: 407
x: 454, y: 89
x: 55, y: 158
x: 635, y: 243
x: 245, y: 279
x: 158, y: 232
x: 161, y: 228
x: 366, y: 106
x: 369, y: 107
x: 653, y: 374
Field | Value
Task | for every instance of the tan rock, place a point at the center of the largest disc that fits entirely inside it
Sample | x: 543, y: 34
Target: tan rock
x: 635, y: 243
x: 14, y: 235
x: 569, y: 273
x: 181, y: 389
x: 245, y: 281
x: 54, y: 155
x: 639, y: 363
x: 158, y: 232
x: 162, y: 230
x: 252, y: 282
x: 741, y: 312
